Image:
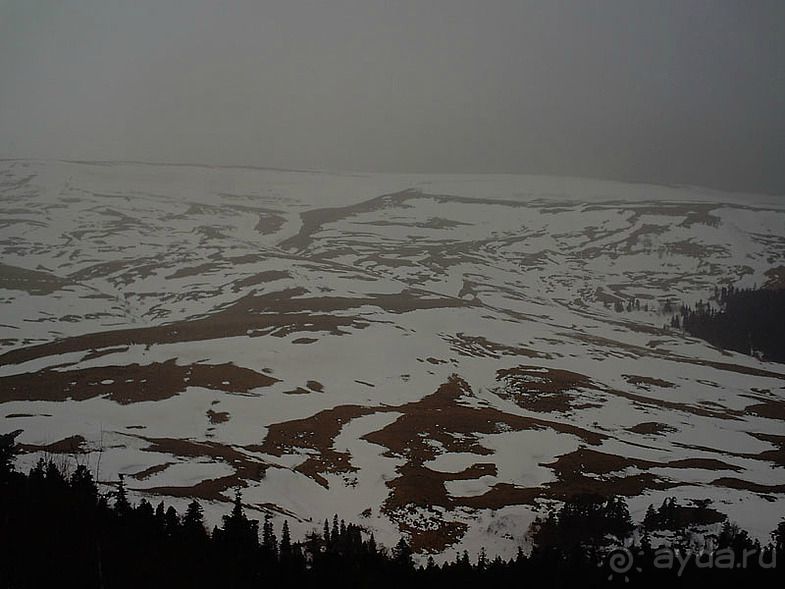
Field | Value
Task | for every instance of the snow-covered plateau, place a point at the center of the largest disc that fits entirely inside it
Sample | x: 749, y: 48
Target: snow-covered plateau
x: 435, y: 356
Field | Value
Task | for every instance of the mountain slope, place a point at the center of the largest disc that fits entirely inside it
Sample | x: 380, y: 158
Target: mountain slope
x: 439, y: 356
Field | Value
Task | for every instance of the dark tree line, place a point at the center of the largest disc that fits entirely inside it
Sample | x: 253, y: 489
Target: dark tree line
x: 57, y: 530
x: 749, y: 321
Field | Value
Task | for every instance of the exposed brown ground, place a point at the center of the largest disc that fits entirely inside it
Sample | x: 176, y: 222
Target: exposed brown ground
x: 217, y: 417
x: 693, y: 249
x: 130, y: 383
x: 280, y: 314
x: 480, y: 347
x: 70, y: 445
x: 645, y: 382
x: 152, y: 470
x: 734, y: 483
x: 501, y: 495
x: 298, y: 391
x: 246, y: 467
x: 652, y: 428
x: 775, y: 278
x: 33, y: 282
x: 541, y: 389
x: 771, y: 408
x: 269, y: 222
x: 634, y: 351
x: 437, y: 539
x: 431, y: 223
x: 703, y: 411
x: 198, y: 270
x: 586, y: 460
x: 440, y: 417
x: 316, y: 433
x: 777, y: 456
x: 260, y: 278
x: 738, y: 368
x: 313, y: 220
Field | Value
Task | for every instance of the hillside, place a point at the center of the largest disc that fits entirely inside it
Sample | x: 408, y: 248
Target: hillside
x: 439, y: 356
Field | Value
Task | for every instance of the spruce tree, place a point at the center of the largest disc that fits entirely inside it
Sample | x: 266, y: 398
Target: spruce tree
x: 286, y: 543
x: 121, y: 505
x: 7, y: 454
x: 193, y: 521
x: 269, y: 542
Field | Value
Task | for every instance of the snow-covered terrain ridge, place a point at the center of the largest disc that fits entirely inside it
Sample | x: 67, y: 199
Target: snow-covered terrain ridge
x: 437, y: 356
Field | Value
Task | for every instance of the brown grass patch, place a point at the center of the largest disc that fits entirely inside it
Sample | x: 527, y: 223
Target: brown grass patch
x: 593, y: 461
x: 652, y: 428
x: 246, y: 468
x: 645, y: 382
x: 693, y: 249
x: 775, y: 278
x: 439, y: 417
x: 770, y: 408
x: 129, y: 384
x: 737, y: 368
x: 217, y: 417
x: 207, y: 490
x: 260, y: 278
x: 313, y: 220
x: 33, y: 282
x: 150, y: 471
x: 480, y: 347
x: 316, y: 434
x: 572, y: 468
x: 70, y: 445
x: 721, y: 413
x: 502, y: 495
x: 777, y: 456
x: 741, y: 485
x: 279, y: 314
x: 434, y: 539
x: 541, y: 389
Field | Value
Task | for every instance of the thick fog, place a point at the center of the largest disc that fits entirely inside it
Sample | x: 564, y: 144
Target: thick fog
x: 668, y: 91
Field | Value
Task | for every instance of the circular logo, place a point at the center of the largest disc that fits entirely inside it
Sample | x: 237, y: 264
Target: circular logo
x: 620, y: 561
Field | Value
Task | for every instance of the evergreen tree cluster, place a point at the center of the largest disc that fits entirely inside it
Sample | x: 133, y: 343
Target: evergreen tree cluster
x: 586, y: 521
x: 749, y: 321
x: 632, y: 304
x: 58, y: 530
x: 672, y: 516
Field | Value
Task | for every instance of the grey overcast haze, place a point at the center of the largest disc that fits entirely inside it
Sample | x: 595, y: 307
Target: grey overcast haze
x: 674, y: 92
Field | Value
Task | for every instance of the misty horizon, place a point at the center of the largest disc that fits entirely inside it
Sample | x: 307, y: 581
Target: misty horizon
x: 672, y: 93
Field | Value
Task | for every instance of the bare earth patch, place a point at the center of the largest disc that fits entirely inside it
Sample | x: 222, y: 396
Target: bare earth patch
x: 246, y: 468
x: 132, y: 383
x: 278, y: 314
x: 645, y: 382
x: 652, y: 428
x: 70, y: 445
x: 541, y: 389
x: 438, y: 423
x: 217, y: 417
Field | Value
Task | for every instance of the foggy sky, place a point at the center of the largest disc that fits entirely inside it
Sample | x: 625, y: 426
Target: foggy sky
x: 680, y: 91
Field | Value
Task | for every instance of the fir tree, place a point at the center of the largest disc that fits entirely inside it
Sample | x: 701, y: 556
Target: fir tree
x: 193, y: 520
x: 121, y: 504
x: 286, y: 543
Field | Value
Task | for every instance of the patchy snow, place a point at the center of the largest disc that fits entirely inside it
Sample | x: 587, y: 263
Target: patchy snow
x: 349, y: 299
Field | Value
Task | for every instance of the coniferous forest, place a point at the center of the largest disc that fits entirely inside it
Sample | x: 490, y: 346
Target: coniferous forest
x: 58, y: 530
x: 749, y: 321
